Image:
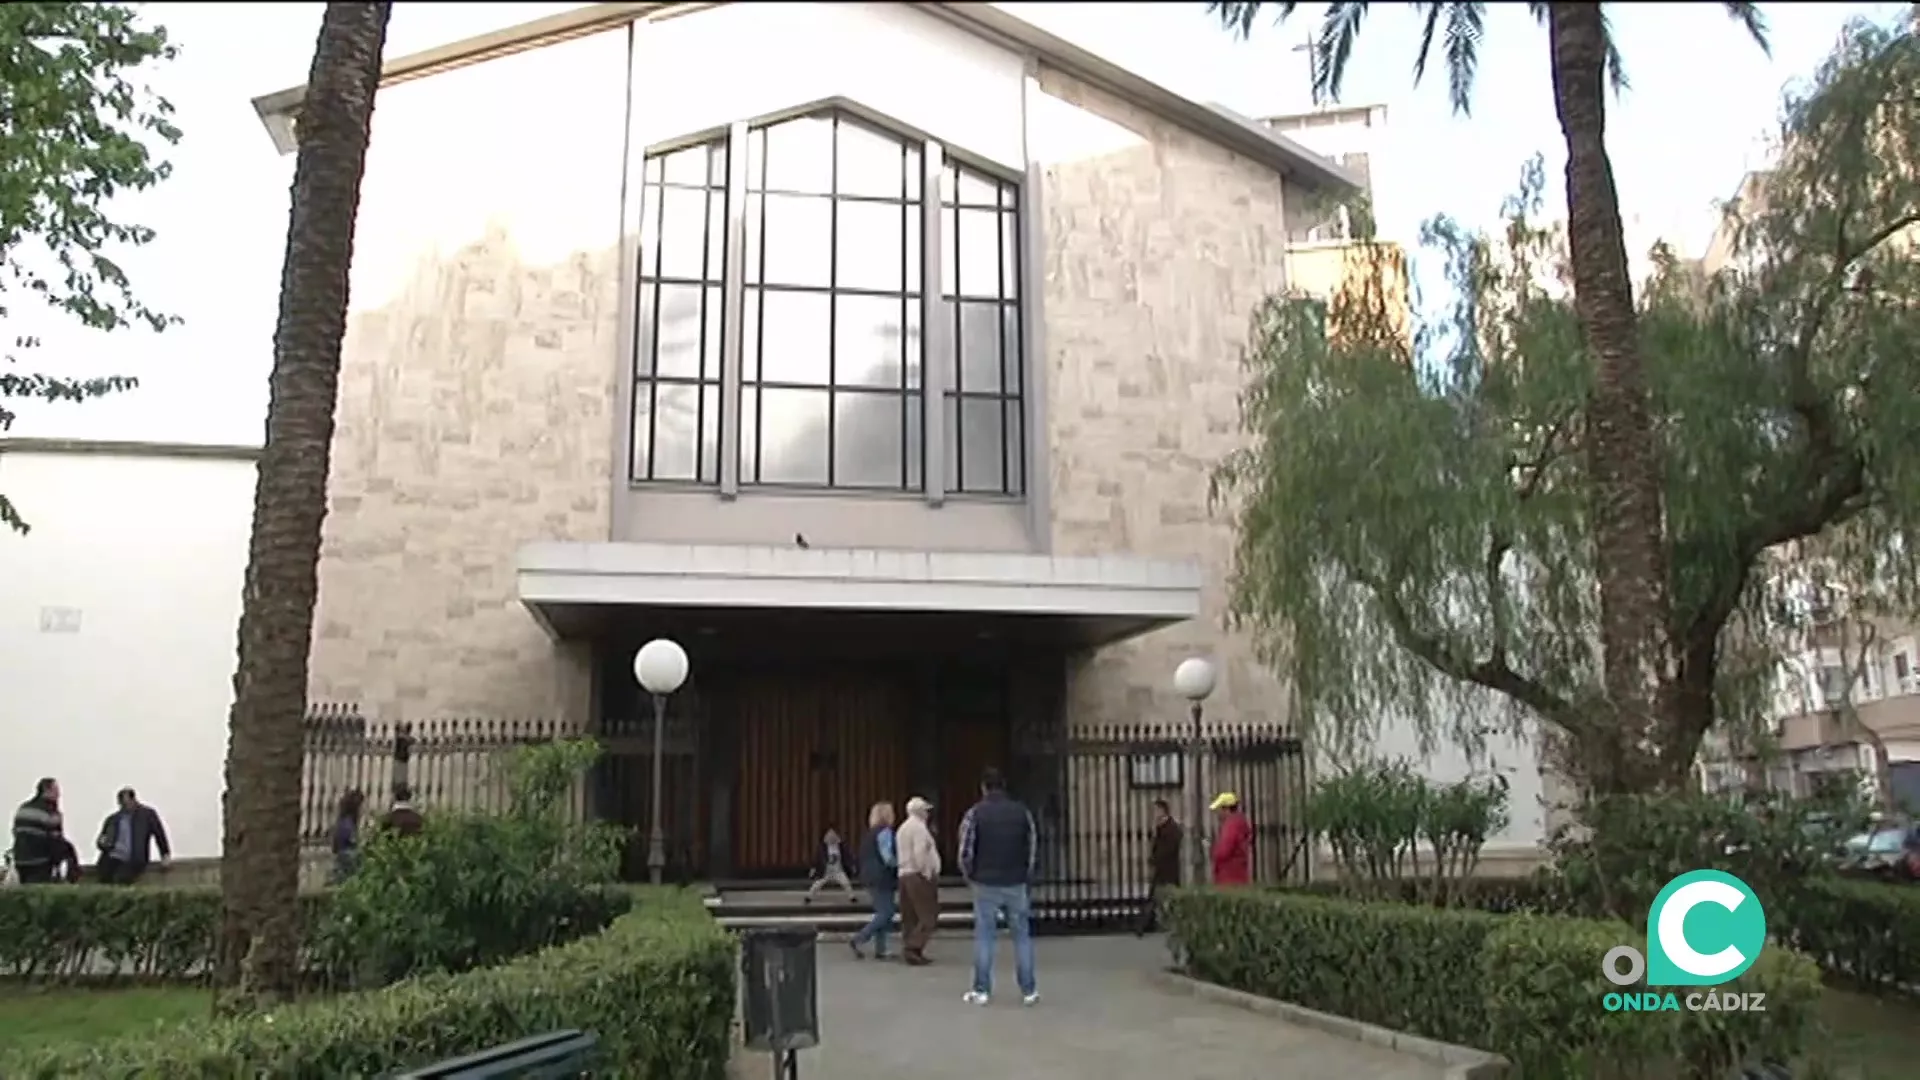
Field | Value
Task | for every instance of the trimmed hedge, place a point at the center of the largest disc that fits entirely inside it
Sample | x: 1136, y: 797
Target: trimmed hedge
x: 1529, y: 987
x: 1865, y: 932
x: 68, y: 932
x: 657, y: 987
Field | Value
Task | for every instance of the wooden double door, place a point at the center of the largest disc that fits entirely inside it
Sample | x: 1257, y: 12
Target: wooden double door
x: 816, y: 749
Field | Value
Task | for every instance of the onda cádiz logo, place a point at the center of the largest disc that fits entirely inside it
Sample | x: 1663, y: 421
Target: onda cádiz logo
x: 1705, y: 928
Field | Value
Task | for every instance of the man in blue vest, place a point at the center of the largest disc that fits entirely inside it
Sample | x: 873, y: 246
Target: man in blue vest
x: 999, y: 846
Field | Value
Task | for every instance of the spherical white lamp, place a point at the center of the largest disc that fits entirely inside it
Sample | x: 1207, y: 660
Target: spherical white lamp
x: 1194, y: 678
x: 660, y: 666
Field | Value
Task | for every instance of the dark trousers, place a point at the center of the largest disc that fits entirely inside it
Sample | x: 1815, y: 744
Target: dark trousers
x: 114, y: 872
x: 919, y: 913
x: 1150, y: 909
x: 35, y: 875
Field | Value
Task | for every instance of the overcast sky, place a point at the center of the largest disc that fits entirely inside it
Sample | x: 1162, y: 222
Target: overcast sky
x: 1702, y: 100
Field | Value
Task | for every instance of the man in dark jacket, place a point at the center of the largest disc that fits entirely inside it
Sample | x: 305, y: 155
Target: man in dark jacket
x: 127, y: 839
x: 1163, y: 863
x: 40, y: 844
x: 999, y: 849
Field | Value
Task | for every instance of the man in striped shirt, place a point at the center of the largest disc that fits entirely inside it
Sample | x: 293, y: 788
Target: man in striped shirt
x: 40, y: 844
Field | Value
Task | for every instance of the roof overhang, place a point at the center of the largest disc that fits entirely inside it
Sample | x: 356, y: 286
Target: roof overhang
x: 1230, y: 129
x: 583, y: 589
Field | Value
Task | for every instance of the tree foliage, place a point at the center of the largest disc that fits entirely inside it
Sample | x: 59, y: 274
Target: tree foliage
x: 1414, y: 525
x: 76, y: 129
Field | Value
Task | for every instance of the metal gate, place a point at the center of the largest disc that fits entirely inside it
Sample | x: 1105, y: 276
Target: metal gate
x: 1093, y: 793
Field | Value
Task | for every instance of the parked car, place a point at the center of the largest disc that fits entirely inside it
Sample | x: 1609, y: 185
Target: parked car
x: 1890, y: 852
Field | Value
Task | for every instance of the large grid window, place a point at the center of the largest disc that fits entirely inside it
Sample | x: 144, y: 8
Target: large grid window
x: 676, y: 399
x: 831, y: 356
x: 979, y: 291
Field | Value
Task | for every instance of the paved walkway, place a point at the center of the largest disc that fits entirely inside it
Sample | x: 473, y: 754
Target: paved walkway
x: 1100, y: 1017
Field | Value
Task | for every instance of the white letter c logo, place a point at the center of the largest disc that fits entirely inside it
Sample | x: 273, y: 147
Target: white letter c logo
x: 1673, y: 933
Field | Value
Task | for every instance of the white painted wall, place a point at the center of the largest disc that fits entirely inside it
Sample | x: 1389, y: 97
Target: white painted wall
x: 1513, y: 757
x: 702, y: 71
x: 117, y: 623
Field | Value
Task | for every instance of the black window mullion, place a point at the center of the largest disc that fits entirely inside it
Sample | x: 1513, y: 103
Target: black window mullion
x: 833, y: 279
x: 653, y: 358
x: 906, y: 402
x: 760, y: 322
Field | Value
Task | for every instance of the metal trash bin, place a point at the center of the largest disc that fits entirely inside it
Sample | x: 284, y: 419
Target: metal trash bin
x: 780, y: 992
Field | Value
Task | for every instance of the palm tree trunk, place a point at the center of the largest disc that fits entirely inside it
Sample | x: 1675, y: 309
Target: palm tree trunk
x: 260, y: 865
x: 1623, y: 459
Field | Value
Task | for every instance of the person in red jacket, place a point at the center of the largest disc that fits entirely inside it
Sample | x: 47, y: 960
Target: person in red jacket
x: 1233, y: 844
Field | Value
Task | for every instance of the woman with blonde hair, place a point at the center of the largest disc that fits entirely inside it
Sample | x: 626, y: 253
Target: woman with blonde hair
x: 880, y: 873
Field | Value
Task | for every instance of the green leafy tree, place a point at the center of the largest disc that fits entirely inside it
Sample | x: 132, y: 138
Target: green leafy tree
x: 260, y: 850
x: 76, y: 129
x: 1620, y: 443
x: 1414, y: 536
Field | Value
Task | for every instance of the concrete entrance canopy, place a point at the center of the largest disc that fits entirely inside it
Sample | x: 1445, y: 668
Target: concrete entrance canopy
x: 577, y: 589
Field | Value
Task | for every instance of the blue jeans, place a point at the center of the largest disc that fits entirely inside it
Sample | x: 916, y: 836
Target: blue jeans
x: 882, y: 921
x: 989, y: 902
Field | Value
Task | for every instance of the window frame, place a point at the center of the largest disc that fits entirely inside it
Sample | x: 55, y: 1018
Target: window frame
x: 940, y: 380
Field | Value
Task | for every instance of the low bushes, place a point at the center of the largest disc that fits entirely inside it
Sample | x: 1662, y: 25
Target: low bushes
x: 657, y: 987
x: 1529, y: 987
x: 1866, y: 932
x: 69, y: 932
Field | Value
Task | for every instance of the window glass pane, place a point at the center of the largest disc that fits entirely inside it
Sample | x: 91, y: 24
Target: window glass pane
x: 916, y: 345
x: 867, y: 439
x: 687, y: 166
x: 652, y: 174
x: 643, y: 349
x: 1011, y: 426
x: 977, y: 190
x: 711, y: 343
x: 794, y: 338
x: 979, y: 254
x: 869, y: 338
x: 793, y: 436
x: 871, y: 245
x: 716, y: 237
x: 677, y: 332
x: 975, y: 424
x: 1010, y: 375
x: 1009, y: 255
x: 950, y: 436
x: 869, y: 163
x: 795, y: 247
x: 799, y: 155
x: 676, y: 424
x: 915, y: 227
x: 710, y: 433
x: 749, y: 433
x: 949, y: 253
x: 642, y: 417
x: 916, y: 441
x: 650, y: 232
x: 683, y: 233
x: 976, y: 345
x: 916, y: 170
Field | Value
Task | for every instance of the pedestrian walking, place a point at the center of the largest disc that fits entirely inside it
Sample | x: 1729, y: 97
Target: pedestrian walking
x: 919, y: 882
x: 1233, y: 844
x: 127, y: 839
x: 879, y: 870
x: 345, y: 840
x: 1163, y: 864
x: 999, y: 848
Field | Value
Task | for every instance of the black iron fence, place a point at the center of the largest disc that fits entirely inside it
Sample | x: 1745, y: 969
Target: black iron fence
x: 450, y: 764
x: 1093, y: 792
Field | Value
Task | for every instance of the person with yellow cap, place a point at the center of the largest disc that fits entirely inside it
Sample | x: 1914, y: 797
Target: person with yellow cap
x: 1232, y: 843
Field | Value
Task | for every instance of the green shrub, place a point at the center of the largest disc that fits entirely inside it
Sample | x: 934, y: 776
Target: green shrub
x: 472, y: 890
x: 1526, y: 986
x: 1867, y: 932
x: 69, y: 932
x: 657, y: 987
x: 1542, y: 991
x: 1386, y: 823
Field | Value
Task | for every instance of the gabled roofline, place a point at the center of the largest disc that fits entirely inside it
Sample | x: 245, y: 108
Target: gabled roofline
x: 1230, y: 129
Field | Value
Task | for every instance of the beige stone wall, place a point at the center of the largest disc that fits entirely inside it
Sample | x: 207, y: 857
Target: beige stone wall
x: 477, y: 384
x: 1159, y: 245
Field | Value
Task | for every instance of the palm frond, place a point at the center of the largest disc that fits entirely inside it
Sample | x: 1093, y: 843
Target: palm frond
x: 1338, y: 31
x: 1616, y: 66
x: 1434, y: 11
x: 1465, y: 24
x: 1239, y: 17
x: 1754, y: 20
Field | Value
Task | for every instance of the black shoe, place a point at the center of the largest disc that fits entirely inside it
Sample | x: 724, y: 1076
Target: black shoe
x: 855, y: 946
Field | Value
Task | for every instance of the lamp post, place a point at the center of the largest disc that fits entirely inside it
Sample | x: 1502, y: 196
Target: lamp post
x: 1194, y: 680
x: 660, y: 667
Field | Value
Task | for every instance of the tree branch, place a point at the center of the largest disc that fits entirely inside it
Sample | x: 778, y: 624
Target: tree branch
x: 1493, y: 673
